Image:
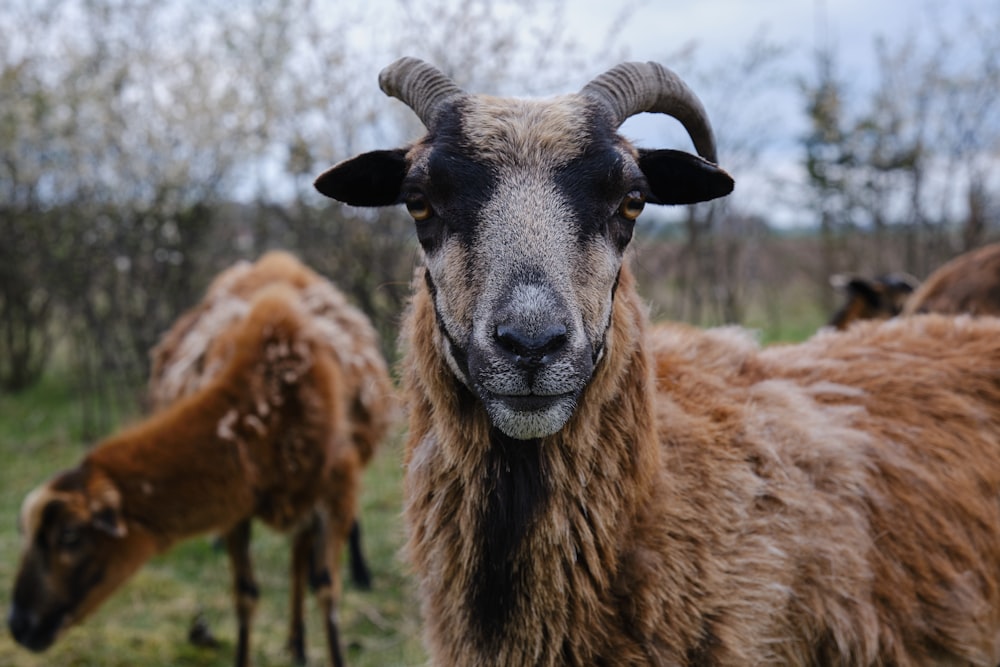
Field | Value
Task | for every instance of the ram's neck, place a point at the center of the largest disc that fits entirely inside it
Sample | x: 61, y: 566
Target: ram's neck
x: 532, y: 528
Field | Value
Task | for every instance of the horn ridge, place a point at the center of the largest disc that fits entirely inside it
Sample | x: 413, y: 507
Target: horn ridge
x: 419, y: 85
x: 631, y: 88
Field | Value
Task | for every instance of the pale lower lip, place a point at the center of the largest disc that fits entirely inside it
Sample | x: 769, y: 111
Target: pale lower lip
x: 529, y: 402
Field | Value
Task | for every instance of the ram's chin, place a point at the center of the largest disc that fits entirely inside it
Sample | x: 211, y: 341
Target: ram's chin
x: 530, y: 417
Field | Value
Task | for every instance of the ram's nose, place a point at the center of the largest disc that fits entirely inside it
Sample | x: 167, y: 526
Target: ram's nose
x: 531, y: 347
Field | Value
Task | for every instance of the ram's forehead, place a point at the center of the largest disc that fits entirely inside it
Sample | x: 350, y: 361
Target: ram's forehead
x: 530, y: 132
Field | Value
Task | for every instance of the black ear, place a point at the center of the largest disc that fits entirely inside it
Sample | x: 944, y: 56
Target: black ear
x: 370, y: 179
x: 110, y: 521
x: 901, y: 283
x: 866, y: 289
x: 676, y: 177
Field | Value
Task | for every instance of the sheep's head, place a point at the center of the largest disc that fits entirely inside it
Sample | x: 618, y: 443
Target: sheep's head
x: 871, y: 299
x: 524, y: 209
x: 76, y: 552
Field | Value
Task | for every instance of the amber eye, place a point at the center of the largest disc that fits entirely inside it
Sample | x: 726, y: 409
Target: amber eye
x: 418, y: 206
x: 632, y: 205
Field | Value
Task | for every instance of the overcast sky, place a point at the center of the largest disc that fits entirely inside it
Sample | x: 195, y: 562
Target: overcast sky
x: 717, y: 33
x: 720, y: 30
x: 718, y: 26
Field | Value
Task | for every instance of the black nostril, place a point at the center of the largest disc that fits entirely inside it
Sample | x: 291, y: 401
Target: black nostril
x: 531, y: 346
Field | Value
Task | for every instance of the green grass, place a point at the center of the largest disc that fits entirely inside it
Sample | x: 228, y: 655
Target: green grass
x: 795, y: 318
x: 146, y: 622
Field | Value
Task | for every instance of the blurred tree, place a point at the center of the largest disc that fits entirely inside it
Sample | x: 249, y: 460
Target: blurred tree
x: 907, y: 176
x: 828, y: 160
x: 711, y: 276
x: 962, y: 75
x: 26, y: 303
x: 114, y: 170
x: 27, y: 227
x: 148, y: 145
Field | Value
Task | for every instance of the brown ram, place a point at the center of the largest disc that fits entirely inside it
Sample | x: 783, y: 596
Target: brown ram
x: 582, y: 490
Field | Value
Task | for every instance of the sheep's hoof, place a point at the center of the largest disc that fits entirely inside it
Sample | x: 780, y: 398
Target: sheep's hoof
x: 200, y: 634
x: 297, y: 647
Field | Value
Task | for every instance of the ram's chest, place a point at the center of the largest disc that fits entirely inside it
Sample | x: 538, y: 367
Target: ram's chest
x: 508, y: 569
x: 513, y: 495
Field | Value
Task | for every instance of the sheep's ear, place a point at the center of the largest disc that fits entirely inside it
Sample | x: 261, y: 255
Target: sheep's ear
x: 370, y: 179
x: 106, y: 513
x: 868, y: 290
x: 110, y: 521
x: 676, y: 177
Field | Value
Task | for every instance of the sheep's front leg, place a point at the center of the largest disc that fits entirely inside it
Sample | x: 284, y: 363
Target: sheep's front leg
x: 244, y: 587
x: 302, y: 567
x: 328, y: 542
x: 360, y: 573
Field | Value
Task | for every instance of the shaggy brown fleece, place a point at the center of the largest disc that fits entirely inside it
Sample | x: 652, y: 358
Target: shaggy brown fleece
x: 714, y: 503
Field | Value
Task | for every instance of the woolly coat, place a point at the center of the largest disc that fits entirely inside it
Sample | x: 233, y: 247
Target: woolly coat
x: 714, y: 503
x: 194, y: 350
x: 969, y: 283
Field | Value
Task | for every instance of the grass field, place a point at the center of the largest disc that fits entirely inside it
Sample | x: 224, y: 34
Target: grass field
x: 147, y: 621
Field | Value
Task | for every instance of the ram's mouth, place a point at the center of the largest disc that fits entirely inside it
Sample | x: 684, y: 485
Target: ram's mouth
x: 529, y: 416
x: 530, y: 402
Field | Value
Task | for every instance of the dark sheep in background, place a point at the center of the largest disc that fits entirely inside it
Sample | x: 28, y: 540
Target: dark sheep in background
x: 871, y: 299
x: 967, y: 284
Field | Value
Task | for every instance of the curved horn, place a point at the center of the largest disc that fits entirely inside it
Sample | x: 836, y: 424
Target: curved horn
x: 631, y: 88
x: 420, y: 86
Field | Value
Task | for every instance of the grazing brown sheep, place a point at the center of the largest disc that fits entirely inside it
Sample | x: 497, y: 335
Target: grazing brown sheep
x: 871, y: 299
x: 195, y: 348
x: 581, y: 490
x: 266, y: 437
